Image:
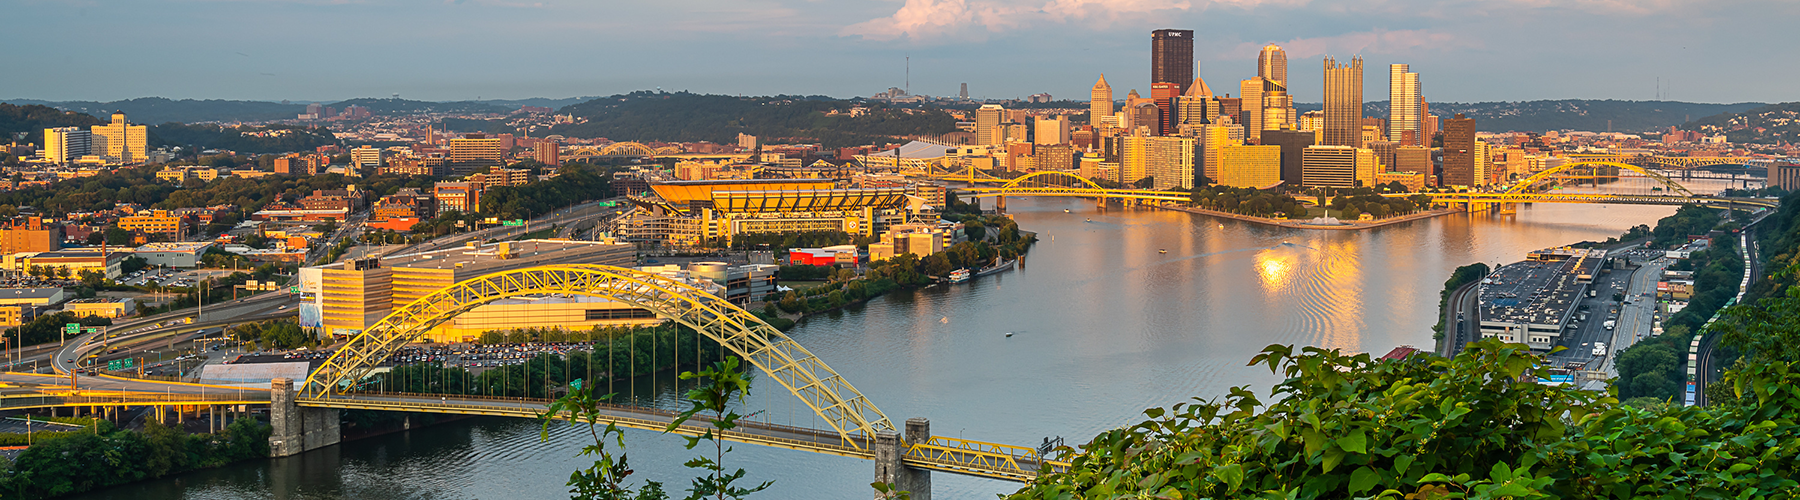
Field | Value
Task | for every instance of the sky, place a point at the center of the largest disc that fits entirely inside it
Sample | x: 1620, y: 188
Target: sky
x: 328, y: 50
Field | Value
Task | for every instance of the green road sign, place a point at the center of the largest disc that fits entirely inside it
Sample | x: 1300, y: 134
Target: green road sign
x: 92, y: 330
x: 293, y: 289
x: 609, y: 203
x: 121, y: 364
x: 72, y: 328
x: 514, y: 222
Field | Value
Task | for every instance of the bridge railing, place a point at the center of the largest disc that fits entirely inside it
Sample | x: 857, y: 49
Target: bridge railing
x: 981, y: 458
x: 129, y: 399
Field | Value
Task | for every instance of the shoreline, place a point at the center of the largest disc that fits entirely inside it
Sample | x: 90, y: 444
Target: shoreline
x: 1292, y: 224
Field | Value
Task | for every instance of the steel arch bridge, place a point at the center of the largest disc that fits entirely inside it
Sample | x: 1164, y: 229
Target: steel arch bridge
x: 627, y: 149
x: 1670, y: 162
x: 838, y: 403
x: 1524, y: 184
x: 1058, y: 183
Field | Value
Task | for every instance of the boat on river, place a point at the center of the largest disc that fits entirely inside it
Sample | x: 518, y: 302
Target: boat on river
x: 959, y: 275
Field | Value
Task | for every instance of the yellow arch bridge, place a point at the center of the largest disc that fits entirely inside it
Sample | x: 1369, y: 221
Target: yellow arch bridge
x: 854, y: 427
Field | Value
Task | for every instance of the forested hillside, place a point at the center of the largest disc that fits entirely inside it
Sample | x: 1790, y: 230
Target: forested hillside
x: 683, y: 117
x: 1770, y: 124
x: 153, y: 110
x: 273, y: 139
x: 33, y: 119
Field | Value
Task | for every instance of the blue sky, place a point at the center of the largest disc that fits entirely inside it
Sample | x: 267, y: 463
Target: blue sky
x: 1465, y: 50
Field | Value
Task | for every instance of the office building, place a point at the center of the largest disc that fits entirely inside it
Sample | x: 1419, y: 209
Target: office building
x: 1278, y: 107
x: 1250, y: 166
x: 120, y: 141
x: 1197, y: 106
x: 1048, y: 130
x: 463, y: 197
x: 1207, y: 144
x: 76, y: 260
x: 473, y: 153
x: 1385, y: 152
x: 1460, y: 152
x: 1163, y: 94
x: 66, y: 144
x: 1133, y: 158
x: 1271, y: 64
x: 1785, y: 176
x: 1100, y: 102
x: 548, y: 152
x: 1343, y: 103
x: 1413, y: 181
x: 1337, y: 166
x: 1172, y: 57
x: 1403, y: 106
x: 1413, y: 159
x: 366, y: 159
x: 156, y: 222
x: 1143, y: 118
x: 1293, y: 144
x: 988, y: 125
x: 29, y: 234
x: 1170, y: 162
x: 350, y: 296
x: 1251, y: 113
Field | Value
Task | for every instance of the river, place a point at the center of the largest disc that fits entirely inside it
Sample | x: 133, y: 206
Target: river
x: 1104, y: 325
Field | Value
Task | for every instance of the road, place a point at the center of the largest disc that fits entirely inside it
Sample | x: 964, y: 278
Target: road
x: 67, y: 357
x: 564, y: 218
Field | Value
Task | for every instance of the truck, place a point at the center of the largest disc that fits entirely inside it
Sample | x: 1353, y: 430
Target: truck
x: 1593, y: 293
x: 1599, y: 349
x: 1609, y: 324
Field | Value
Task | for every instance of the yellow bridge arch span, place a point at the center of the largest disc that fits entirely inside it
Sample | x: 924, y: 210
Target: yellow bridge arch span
x: 627, y: 149
x: 1019, y: 182
x: 1550, y: 172
x: 806, y: 376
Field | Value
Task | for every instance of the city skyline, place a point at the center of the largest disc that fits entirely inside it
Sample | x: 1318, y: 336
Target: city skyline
x: 173, y: 50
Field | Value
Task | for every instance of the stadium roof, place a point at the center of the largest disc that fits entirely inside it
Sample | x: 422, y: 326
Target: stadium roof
x: 823, y: 200
x: 917, y: 150
x: 682, y: 192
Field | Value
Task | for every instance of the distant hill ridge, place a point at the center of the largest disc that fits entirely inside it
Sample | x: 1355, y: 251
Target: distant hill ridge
x: 1534, y: 116
x: 1771, y: 124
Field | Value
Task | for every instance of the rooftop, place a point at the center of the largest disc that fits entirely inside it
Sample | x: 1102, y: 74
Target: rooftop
x: 1541, y: 292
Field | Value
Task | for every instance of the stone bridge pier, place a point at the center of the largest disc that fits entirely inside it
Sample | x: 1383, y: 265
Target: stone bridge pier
x: 890, y: 459
x: 298, y: 430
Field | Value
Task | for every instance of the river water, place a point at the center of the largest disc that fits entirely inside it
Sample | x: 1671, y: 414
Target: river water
x: 1104, y: 325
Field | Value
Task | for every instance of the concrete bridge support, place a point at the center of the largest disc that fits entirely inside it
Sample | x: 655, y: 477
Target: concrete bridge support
x: 298, y: 430
x: 890, y: 460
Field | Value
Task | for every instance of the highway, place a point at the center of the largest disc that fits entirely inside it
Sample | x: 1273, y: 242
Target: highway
x: 562, y: 218
x: 253, y: 308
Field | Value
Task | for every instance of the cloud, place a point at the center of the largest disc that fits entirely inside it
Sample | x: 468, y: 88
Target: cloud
x: 1375, y: 42
x: 922, y: 20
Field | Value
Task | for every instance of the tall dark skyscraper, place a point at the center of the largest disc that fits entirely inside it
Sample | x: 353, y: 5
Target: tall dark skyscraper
x: 1459, y: 152
x: 1172, y: 58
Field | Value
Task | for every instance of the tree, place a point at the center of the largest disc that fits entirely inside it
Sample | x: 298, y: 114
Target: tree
x: 606, y: 478
x: 719, y: 386
x: 117, y: 236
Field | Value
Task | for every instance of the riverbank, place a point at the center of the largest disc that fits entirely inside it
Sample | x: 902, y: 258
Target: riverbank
x: 1294, y: 224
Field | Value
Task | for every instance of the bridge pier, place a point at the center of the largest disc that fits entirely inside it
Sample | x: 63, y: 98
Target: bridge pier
x: 890, y: 459
x: 298, y: 430
x: 1000, y: 204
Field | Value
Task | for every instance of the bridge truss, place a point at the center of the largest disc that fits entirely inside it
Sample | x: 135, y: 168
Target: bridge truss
x: 836, y: 402
x: 1065, y: 184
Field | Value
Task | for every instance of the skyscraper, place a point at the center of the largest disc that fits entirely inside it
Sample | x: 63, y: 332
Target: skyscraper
x: 1164, y: 94
x: 1271, y: 64
x: 1100, y: 102
x: 965, y: 92
x: 66, y: 144
x: 1172, y: 57
x: 1293, y: 144
x: 1343, y: 103
x: 1403, y: 106
x: 1050, y: 130
x: 120, y: 141
x: 1251, y: 115
x: 1459, y: 152
x: 987, y: 125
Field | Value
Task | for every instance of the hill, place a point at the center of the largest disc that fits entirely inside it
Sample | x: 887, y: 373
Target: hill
x: 246, y: 139
x: 159, y: 110
x: 393, y: 106
x: 1567, y: 114
x: 1770, y: 124
x: 684, y: 117
x: 32, y: 119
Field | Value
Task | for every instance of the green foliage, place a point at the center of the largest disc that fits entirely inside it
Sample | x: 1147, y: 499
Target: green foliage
x: 1247, y: 201
x: 575, y: 183
x: 34, y: 118
x: 278, y: 334
x: 139, y: 185
x: 605, y: 479
x: 719, y: 386
x: 48, y: 328
x: 683, y: 117
x: 1770, y: 124
x: 1349, y: 426
x: 806, y: 273
x: 287, y: 138
x: 1355, y: 202
x: 1462, y: 276
x: 84, y: 461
